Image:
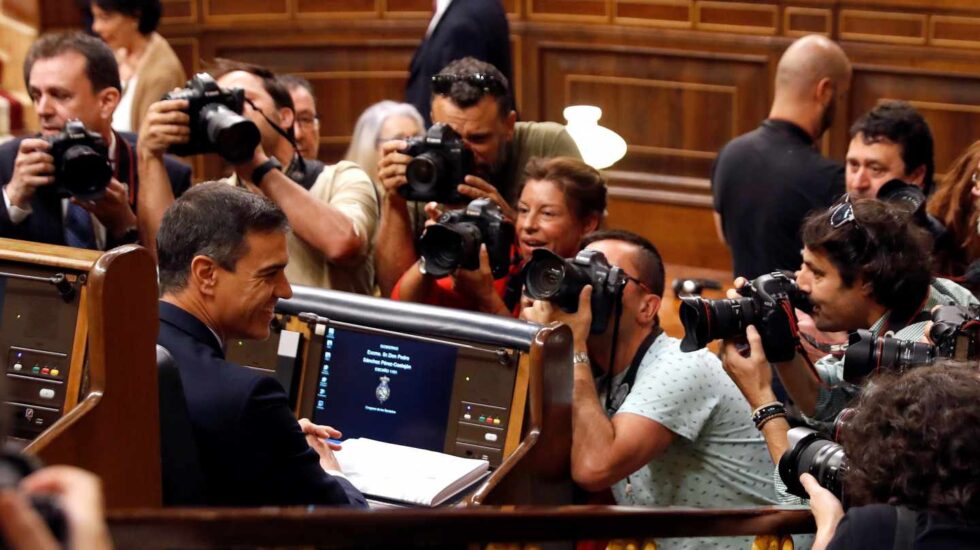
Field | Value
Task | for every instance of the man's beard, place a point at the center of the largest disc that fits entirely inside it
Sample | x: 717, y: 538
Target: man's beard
x: 491, y: 172
x: 827, y: 118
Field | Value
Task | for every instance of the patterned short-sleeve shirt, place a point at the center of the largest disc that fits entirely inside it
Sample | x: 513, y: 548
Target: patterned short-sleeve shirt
x: 718, y: 460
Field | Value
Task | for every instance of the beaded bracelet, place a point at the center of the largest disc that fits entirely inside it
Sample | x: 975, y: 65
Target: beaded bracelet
x: 767, y: 412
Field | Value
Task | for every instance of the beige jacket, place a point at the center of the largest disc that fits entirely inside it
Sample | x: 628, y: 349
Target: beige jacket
x: 159, y: 72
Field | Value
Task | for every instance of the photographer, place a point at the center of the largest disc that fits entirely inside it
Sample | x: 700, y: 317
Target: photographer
x: 912, y: 450
x: 474, y: 99
x: 660, y: 427
x: 78, y: 494
x: 333, y: 213
x: 562, y: 200
x: 864, y: 267
x: 51, y: 198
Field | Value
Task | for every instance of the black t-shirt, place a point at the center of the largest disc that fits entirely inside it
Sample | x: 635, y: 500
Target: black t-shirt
x: 765, y: 182
x: 873, y: 527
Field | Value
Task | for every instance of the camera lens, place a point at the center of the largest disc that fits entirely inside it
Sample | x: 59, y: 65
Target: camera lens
x: 447, y: 247
x: 812, y: 453
x: 423, y: 172
x: 234, y: 137
x: 866, y: 353
x: 544, y: 277
x: 84, y: 172
x: 707, y: 320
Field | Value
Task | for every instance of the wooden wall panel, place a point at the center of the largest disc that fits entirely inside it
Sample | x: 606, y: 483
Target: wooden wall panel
x: 596, y: 11
x: 661, y: 13
x: 241, y: 10
x: 179, y: 12
x: 336, y: 8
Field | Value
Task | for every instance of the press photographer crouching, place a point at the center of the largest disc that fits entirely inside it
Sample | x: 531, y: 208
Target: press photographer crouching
x: 912, y: 449
x: 657, y: 426
x: 473, y: 258
x: 864, y: 267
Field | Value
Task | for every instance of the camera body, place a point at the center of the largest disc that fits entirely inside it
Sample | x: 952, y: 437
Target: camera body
x: 955, y: 331
x: 216, y: 121
x: 813, y: 453
x: 767, y: 303
x: 13, y: 468
x: 441, y: 161
x: 454, y: 240
x: 81, y: 162
x: 548, y: 276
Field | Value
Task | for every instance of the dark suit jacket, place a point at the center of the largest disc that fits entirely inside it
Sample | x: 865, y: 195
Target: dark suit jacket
x: 252, y: 450
x: 476, y: 28
x: 45, y: 224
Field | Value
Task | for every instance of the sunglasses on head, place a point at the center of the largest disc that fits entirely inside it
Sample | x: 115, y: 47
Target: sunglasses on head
x: 443, y: 83
x: 842, y: 213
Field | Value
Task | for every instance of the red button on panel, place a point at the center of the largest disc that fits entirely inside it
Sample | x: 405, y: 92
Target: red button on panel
x: 45, y: 370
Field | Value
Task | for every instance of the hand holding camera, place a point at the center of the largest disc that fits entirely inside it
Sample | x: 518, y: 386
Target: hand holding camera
x: 768, y: 303
x: 751, y: 373
x: 560, y: 281
x: 215, y: 121
x: 166, y: 124
x: 33, y: 168
x: 580, y: 321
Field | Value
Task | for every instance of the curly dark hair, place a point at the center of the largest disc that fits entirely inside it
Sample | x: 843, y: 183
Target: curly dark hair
x: 915, y: 441
x: 881, y: 248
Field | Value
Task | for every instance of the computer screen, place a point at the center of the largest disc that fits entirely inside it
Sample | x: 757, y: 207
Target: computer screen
x: 385, y: 387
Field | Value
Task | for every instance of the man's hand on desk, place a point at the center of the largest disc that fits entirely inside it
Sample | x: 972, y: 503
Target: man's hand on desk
x: 317, y: 437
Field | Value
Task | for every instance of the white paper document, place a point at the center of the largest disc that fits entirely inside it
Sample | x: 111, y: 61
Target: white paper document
x: 406, y: 474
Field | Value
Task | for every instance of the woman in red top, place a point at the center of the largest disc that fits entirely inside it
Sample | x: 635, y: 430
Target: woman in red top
x: 562, y: 200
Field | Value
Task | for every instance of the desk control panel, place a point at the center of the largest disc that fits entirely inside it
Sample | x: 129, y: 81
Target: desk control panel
x: 440, y: 395
x: 40, y: 320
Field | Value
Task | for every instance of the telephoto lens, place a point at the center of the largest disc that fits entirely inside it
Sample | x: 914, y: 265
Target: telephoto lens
x: 813, y: 453
x: 867, y: 354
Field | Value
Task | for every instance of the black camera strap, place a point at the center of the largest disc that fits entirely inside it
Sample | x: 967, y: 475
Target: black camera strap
x: 615, y: 399
x: 289, y: 137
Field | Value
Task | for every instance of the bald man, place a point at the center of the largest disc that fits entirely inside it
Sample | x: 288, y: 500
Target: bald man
x: 765, y: 182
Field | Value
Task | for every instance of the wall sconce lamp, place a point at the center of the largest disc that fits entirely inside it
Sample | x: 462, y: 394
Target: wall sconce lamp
x: 600, y: 147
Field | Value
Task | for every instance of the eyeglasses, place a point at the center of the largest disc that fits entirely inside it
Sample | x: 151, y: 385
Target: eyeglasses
x: 308, y: 121
x: 842, y: 213
x: 639, y: 283
x: 443, y: 83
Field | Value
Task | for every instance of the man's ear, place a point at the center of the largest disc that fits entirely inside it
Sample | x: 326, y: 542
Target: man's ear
x: 649, y: 307
x: 509, y: 122
x: 287, y: 117
x: 108, y: 101
x: 825, y: 91
x: 203, y: 275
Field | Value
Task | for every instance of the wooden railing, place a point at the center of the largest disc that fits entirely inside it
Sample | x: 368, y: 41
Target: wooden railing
x: 401, y: 528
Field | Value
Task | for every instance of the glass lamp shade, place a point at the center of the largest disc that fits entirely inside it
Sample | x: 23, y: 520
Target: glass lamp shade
x: 600, y: 147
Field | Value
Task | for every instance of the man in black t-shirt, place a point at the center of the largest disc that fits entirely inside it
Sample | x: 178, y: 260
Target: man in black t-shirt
x: 766, y: 181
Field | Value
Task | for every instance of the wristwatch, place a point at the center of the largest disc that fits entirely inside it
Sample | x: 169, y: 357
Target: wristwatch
x: 581, y: 358
x: 261, y: 170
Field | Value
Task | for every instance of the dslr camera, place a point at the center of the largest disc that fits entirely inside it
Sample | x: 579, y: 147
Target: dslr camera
x: 548, y: 276
x: 81, y: 162
x: 767, y: 303
x: 217, y: 124
x: 13, y: 468
x: 454, y: 240
x: 813, y: 453
x: 955, y: 331
x: 441, y: 161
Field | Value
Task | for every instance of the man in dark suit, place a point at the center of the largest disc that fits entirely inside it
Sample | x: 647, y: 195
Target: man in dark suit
x: 73, y: 76
x: 458, y: 29
x: 222, y: 255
